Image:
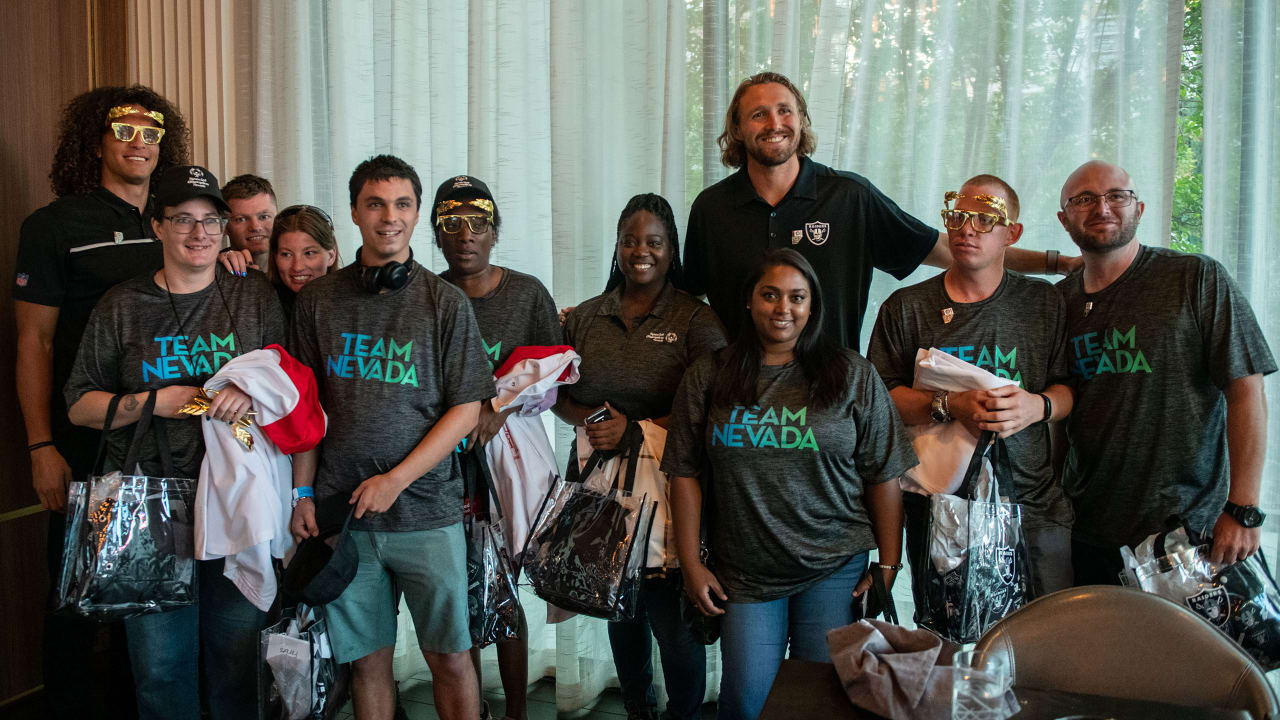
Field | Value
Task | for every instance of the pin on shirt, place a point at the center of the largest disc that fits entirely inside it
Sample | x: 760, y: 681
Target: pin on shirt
x: 948, y: 314
x: 1088, y: 307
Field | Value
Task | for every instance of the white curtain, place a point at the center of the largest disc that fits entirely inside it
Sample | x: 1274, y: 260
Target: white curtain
x: 568, y: 107
x: 918, y: 96
x: 565, y: 109
x: 1241, y: 179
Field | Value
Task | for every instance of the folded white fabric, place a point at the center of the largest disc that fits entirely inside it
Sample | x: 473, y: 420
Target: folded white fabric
x: 944, y: 449
x: 243, y: 501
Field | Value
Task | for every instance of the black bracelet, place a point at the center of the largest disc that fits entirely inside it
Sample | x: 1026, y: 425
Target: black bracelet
x: 1048, y: 407
x: 36, y: 446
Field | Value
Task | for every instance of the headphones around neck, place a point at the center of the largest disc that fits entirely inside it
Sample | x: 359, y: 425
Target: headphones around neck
x: 391, y: 276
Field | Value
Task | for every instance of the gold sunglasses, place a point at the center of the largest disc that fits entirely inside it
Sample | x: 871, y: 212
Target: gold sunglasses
x: 126, y: 133
x: 982, y: 222
x: 452, y: 224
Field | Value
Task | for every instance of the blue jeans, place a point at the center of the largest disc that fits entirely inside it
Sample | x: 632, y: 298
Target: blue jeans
x: 684, y: 659
x: 165, y: 648
x: 754, y: 637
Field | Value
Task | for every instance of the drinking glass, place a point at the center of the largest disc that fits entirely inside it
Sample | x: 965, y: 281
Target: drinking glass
x: 978, y: 686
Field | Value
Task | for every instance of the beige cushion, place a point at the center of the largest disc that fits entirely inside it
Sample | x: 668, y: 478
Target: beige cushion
x: 1105, y: 640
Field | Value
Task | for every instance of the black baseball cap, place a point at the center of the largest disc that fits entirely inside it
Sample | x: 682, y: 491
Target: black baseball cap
x: 181, y: 183
x: 462, y: 186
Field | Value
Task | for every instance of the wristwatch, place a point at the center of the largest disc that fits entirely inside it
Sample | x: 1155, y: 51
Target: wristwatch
x: 1247, y: 515
x: 304, y: 491
x: 940, y: 411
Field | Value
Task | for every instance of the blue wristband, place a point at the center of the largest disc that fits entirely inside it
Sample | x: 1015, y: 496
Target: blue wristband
x: 303, y: 491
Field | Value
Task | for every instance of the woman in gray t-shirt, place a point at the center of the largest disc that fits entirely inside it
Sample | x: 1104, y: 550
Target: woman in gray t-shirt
x: 799, y: 440
x: 636, y: 339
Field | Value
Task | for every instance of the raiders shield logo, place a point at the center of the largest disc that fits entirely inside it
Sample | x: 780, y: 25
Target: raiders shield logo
x: 1212, y: 604
x: 1005, y: 557
x: 817, y: 232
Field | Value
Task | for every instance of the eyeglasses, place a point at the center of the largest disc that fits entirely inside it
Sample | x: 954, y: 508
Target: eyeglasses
x: 452, y: 224
x: 126, y: 133
x: 185, y: 224
x: 981, y: 222
x: 300, y: 209
x: 1115, y: 199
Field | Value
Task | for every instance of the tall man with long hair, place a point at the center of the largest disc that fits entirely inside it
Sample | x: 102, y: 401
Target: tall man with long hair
x: 779, y: 197
x: 97, y: 233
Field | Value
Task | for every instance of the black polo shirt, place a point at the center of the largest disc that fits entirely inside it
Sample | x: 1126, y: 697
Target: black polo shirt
x: 638, y: 370
x: 70, y: 252
x: 838, y: 220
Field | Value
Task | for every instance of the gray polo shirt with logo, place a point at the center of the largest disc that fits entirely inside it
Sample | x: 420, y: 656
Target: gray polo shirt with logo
x: 638, y: 370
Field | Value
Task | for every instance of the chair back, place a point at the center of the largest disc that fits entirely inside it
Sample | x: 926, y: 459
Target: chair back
x: 1122, y: 642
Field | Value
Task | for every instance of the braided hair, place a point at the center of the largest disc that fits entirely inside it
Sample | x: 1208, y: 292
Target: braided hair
x: 661, y: 209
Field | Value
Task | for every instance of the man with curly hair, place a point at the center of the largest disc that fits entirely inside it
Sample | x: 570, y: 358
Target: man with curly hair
x: 97, y: 233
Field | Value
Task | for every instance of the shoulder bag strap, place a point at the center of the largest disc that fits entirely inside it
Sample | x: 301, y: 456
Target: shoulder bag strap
x: 881, y: 592
x: 139, y: 432
x: 975, y: 465
x: 484, y: 483
x: 106, y: 434
x: 633, y: 439
x: 1002, y: 469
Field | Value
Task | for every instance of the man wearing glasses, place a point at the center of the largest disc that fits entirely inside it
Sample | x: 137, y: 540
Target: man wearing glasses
x: 1014, y: 327
x: 253, y: 212
x: 112, y: 141
x: 1167, y: 361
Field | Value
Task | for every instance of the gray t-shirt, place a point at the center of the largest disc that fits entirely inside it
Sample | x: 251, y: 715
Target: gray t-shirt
x: 389, y: 366
x: 518, y: 312
x: 787, y: 478
x: 638, y: 370
x: 1018, y: 333
x: 1150, y: 356
x: 137, y: 339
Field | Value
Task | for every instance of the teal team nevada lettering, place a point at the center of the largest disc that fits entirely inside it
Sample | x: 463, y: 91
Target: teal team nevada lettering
x: 748, y: 427
x: 1108, y: 351
x: 383, y: 360
x: 182, y: 357
x: 1000, y: 363
x: 494, y: 351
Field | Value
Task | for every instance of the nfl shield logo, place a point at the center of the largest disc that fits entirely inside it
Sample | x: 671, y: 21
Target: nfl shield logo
x: 1212, y: 604
x: 817, y: 232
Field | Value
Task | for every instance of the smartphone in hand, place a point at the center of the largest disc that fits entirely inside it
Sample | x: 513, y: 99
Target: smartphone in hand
x: 598, y: 416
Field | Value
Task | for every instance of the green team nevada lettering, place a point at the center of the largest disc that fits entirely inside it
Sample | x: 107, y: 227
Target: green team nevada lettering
x: 783, y: 428
x: 180, y: 356
x: 1108, y: 351
x: 383, y: 360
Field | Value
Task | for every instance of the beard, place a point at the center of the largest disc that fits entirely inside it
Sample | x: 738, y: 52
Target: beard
x: 1107, y: 242
x: 771, y: 156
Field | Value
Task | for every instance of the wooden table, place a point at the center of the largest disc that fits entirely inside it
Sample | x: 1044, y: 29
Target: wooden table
x: 804, y: 689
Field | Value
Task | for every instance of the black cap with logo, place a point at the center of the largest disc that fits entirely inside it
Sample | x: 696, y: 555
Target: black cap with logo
x: 181, y: 183
x: 459, y: 187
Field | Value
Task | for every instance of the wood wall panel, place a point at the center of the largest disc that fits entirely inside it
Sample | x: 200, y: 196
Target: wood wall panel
x: 53, y: 52
x: 22, y: 603
x: 184, y: 50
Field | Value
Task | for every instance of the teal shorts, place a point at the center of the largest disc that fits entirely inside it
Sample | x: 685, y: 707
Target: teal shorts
x: 429, y: 567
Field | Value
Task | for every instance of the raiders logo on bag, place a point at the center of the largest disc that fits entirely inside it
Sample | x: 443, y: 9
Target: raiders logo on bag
x: 1005, y: 556
x: 1212, y: 604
